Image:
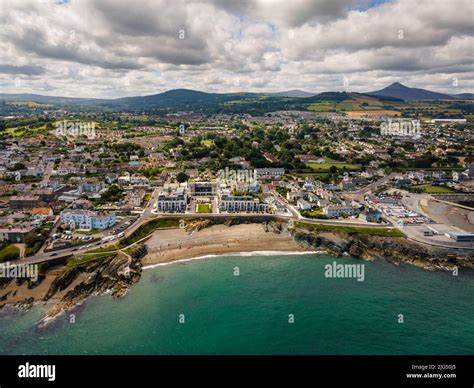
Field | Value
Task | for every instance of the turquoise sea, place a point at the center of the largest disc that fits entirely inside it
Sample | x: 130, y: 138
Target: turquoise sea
x: 251, y: 313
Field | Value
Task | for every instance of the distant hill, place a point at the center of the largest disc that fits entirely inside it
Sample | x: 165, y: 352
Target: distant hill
x: 328, y: 96
x: 252, y: 103
x: 293, y: 93
x: 170, y: 98
x: 51, y: 99
x: 463, y: 96
x: 397, y: 90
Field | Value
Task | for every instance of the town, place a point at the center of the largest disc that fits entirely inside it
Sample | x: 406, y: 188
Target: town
x: 68, y: 191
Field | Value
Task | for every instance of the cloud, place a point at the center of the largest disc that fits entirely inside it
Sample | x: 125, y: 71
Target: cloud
x: 114, y: 48
x: 29, y: 70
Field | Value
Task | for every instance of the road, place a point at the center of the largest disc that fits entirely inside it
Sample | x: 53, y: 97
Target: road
x: 374, y: 185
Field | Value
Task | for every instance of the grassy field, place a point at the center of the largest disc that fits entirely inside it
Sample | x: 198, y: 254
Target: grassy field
x: 437, y: 189
x: 386, y: 112
x: 327, y: 166
x: 323, y: 106
x: 21, y: 131
x: 146, y: 198
x: 73, y: 262
x: 354, y: 103
x: 9, y: 252
x: 316, y: 213
x: 203, y: 208
x: 87, y: 232
x: 392, y: 232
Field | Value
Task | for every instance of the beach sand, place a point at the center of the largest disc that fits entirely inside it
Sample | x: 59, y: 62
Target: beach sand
x: 176, y: 244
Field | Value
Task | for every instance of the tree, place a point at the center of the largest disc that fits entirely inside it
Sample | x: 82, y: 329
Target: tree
x: 18, y: 166
x: 182, y: 177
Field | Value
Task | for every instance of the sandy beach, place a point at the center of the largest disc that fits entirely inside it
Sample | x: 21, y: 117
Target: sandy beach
x: 176, y: 244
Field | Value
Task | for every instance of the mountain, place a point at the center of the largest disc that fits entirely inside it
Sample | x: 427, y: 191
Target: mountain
x: 253, y: 103
x: 397, y: 90
x: 463, y: 96
x: 170, y: 98
x: 292, y: 93
x: 51, y: 99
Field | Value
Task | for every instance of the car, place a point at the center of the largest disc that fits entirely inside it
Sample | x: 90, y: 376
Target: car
x: 53, y: 254
x: 74, y: 249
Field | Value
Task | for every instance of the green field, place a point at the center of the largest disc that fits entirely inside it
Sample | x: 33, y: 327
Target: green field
x: 383, y: 232
x: 315, y: 213
x: 72, y: 262
x: 9, y: 252
x: 21, y: 131
x: 347, y: 105
x: 327, y: 166
x: 203, y: 208
x: 87, y: 232
x: 355, y: 103
x: 436, y: 189
x: 323, y: 106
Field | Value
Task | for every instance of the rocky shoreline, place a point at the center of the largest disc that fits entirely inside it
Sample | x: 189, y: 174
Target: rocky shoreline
x: 115, y: 273
x: 112, y: 274
x: 395, y: 250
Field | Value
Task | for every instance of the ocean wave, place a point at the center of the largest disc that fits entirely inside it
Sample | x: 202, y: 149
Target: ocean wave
x: 239, y: 254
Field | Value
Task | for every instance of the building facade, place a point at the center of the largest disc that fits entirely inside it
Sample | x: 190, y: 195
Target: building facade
x: 202, y: 189
x: 241, y: 204
x: 87, y: 219
x: 336, y: 211
x: 172, y: 201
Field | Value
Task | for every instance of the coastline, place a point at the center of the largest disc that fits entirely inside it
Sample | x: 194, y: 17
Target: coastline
x: 167, y: 246
x: 236, y: 254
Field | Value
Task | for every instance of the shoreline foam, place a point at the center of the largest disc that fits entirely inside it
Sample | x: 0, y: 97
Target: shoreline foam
x: 237, y: 254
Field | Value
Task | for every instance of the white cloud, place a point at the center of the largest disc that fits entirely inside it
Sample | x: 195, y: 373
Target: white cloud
x: 88, y: 48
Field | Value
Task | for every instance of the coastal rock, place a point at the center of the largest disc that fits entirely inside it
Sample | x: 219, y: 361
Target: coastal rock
x: 393, y: 249
x: 197, y: 225
x: 62, y: 281
x: 113, y: 274
x: 319, y: 241
x: 24, y: 305
x: 272, y: 226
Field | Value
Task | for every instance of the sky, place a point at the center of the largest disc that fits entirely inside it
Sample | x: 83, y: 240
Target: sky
x: 117, y: 48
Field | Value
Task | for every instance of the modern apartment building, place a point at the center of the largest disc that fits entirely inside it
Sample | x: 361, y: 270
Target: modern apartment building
x: 338, y: 210
x: 203, y: 189
x: 87, y: 219
x: 172, y: 201
x: 245, y: 204
x: 24, y: 202
x: 270, y: 173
